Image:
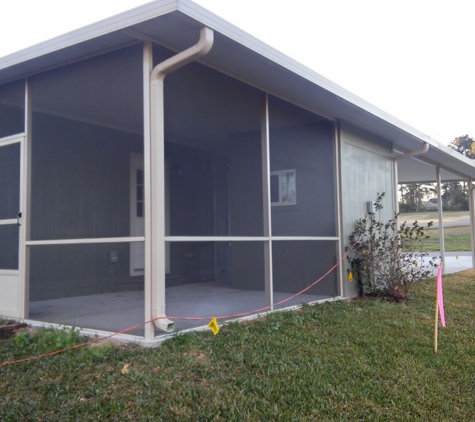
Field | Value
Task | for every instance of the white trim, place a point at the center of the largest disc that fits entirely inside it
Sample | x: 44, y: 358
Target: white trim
x: 338, y: 202
x: 267, y: 206
x: 8, y: 222
x: 9, y: 272
x: 147, y: 70
x: 299, y: 238
x: 11, y: 279
x: 85, y: 241
x: 9, y: 140
x: 246, y: 238
x: 106, y: 26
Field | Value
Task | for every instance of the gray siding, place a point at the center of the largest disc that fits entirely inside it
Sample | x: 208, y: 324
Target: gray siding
x: 366, y: 169
x: 80, y: 189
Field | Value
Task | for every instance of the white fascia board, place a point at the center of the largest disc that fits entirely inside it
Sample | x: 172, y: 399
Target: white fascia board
x: 115, y: 23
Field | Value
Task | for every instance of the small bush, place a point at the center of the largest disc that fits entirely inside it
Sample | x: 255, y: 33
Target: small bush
x: 45, y: 340
x: 387, y: 260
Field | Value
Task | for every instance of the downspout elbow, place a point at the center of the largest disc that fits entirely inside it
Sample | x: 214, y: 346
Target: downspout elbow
x: 202, y: 47
x: 413, y: 153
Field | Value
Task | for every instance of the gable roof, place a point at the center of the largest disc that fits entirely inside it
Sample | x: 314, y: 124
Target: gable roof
x: 175, y: 24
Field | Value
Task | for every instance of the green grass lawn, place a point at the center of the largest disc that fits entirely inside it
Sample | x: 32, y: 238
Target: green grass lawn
x: 355, y: 360
x: 455, y: 238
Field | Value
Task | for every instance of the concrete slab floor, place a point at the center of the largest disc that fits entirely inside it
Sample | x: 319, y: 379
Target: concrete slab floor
x: 117, y: 311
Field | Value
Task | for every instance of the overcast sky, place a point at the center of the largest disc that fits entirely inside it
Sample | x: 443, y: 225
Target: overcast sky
x: 412, y: 58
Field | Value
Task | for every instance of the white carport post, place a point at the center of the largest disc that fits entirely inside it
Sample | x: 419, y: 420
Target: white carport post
x: 471, y: 207
x: 441, y: 218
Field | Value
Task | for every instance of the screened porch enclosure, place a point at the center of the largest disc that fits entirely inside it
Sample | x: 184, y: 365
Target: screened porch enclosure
x: 250, y: 195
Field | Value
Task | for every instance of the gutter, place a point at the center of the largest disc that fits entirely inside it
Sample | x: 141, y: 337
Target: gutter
x: 202, y: 47
x: 399, y: 158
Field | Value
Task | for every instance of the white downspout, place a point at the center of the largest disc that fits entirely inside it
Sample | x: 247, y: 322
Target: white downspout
x: 399, y: 158
x: 158, y: 173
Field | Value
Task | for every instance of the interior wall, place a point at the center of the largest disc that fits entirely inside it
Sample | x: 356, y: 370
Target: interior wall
x: 80, y: 179
x: 297, y: 264
x: 58, y: 271
x: 366, y: 170
x: 87, y: 121
x: 309, y: 150
x: 80, y: 189
x: 213, y: 150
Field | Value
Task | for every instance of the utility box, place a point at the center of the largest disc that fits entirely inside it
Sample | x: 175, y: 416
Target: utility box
x: 370, y: 209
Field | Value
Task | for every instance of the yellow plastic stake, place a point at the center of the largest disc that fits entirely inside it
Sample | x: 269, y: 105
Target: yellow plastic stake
x: 457, y: 256
x: 214, y: 327
x: 350, y: 277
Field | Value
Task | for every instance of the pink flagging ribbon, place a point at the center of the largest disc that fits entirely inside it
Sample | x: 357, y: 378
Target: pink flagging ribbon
x: 440, y: 296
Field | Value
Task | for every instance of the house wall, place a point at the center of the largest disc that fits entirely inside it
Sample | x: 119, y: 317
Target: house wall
x: 246, y: 216
x: 198, y: 207
x: 80, y: 189
x: 366, y: 170
x: 309, y: 149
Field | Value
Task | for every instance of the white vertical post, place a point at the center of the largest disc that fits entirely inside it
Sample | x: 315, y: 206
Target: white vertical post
x: 147, y: 70
x: 395, y: 187
x: 157, y: 171
x: 25, y: 206
x: 472, y: 217
x: 341, y: 242
x: 267, y: 211
x: 441, y: 218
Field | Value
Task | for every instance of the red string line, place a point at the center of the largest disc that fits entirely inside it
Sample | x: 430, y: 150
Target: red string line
x: 96, y: 340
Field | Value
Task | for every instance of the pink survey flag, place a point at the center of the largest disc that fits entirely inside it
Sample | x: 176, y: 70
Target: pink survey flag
x: 440, y: 296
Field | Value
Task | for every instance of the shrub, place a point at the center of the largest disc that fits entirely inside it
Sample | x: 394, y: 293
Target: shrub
x: 387, y: 260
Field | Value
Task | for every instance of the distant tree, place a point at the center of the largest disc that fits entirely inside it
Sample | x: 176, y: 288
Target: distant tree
x: 465, y: 145
x: 455, y: 195
x: 412, y: 195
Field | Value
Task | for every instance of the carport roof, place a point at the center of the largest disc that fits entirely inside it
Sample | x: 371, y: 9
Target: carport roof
x: 175, y: 24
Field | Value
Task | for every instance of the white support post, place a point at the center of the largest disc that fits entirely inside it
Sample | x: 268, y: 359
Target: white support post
x: 471, y: 206
x: 441, y: 218
x: 157, y: 231
x: 147, y: 70
x: 267, y: 211
x: 25, y: 206
x: 341, y: 242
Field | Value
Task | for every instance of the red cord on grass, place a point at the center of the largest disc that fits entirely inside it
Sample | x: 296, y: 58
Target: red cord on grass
x: 96, y: 340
